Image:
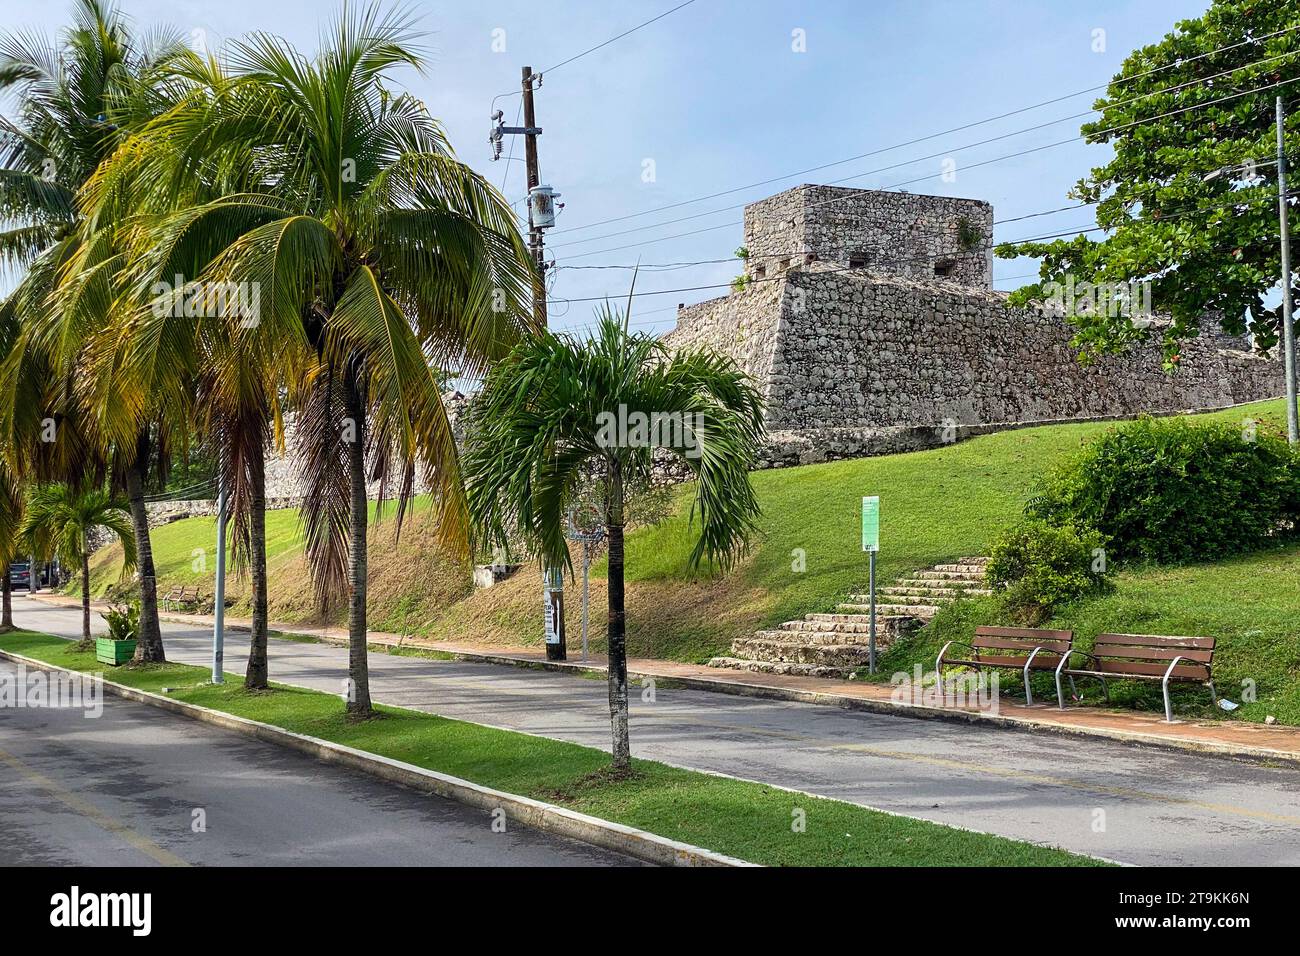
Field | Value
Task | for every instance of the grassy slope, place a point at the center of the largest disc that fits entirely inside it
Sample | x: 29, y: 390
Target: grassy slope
x: 746, y: 820
x: 937, y: 505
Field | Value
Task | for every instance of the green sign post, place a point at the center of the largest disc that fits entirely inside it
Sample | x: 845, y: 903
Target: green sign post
x: 871, y: 544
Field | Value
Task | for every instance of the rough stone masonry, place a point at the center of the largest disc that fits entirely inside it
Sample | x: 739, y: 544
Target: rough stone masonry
x: 870, y: 325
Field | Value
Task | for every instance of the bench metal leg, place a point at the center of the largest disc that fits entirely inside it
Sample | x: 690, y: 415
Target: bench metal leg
x: 1214, y: 696
x: 1060, y: 697
x: 1164, y: 683
x: 1029, y: 695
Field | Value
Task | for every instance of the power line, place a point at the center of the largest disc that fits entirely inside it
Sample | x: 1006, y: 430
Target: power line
x: 987, y: 162
x: 957, y: 129
x: 941, y: 153
x: 600, y: 46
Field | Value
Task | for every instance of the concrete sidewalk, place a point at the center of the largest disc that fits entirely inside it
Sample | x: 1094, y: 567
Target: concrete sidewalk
x: 1232, y: 738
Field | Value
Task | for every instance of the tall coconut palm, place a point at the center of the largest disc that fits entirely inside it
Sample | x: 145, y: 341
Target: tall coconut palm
x: 60, y: 520
x: 213, y: 365
x: 77, y: 98
x: 10, y: 521
x: 379, y: 259
x: 558, y: 413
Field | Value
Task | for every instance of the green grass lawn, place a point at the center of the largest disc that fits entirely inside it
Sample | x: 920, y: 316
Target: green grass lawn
x: 745, y: 820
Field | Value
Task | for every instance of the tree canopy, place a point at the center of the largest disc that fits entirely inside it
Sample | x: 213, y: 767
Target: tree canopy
x: 1200, y: 100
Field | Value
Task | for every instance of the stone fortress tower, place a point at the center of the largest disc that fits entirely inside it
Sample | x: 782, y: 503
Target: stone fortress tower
x: 871, y: 325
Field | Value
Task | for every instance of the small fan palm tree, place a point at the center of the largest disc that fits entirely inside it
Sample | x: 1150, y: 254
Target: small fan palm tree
x: 60, y: 520
x: 560, y: 414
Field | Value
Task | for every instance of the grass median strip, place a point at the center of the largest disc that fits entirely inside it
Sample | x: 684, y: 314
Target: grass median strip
x: 746, y: 820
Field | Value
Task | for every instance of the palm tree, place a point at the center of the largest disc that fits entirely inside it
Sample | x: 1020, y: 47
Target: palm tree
x: 558, y: 413
x: 11, y: 514
x: 77, y: 99
x: 380, y: 259
x: 60, y: 520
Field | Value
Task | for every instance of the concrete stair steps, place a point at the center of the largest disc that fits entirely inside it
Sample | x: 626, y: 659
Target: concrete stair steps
x: 946, y: 584
x: 839, y: 617
x: 783, y: 667
x: 973, y: 577
x: 824, y: 655
x: 961, y: 568
x: 941, y: 594
x: 978, y: 560
x: 855, y: 626
x: 836, y: 643
x: 794, y: 638
x: 923, y: 611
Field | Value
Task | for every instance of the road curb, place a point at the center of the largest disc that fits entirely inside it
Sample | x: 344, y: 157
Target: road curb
x: 536, y: 814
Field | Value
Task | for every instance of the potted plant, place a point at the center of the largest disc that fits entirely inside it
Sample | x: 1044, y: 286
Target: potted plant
x: 123, y: 631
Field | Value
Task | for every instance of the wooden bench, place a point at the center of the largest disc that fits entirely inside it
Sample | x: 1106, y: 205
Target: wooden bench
x: 1143, y: 657
x: 182, y: 597
x: 1021, y: 648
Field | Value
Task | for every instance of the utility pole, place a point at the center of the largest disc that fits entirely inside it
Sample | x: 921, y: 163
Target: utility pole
x: 535, y: 242
x: 552, y: 578
x: 1288, y: 327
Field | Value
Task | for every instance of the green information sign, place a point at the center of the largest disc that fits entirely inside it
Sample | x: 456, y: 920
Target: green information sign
x: 871, y: 523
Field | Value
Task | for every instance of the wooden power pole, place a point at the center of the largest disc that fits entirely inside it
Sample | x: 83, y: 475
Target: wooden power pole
x: 553, y: 578
x: 535, y: 242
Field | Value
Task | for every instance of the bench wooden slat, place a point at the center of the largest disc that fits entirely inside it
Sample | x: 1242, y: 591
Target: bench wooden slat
x: 1114, y: 652
x: 1197, y: 672
x: 1153, y: 640
x: 1023, y: 632
x: 1044, y: 661
x: 1005, y: 643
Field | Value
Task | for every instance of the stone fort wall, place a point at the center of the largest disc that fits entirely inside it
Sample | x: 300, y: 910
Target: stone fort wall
x: 853, y: 363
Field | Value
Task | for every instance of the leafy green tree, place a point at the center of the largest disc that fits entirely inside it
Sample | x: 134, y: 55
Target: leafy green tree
x: 1208, y: 246
x: 558, y: 414
x: 60, y: 520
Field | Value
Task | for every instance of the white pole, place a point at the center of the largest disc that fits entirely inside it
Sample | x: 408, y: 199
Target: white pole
x: 219, y: 594
x: 586, y: 568
x: 871, y: 646
x: 1288, y: 329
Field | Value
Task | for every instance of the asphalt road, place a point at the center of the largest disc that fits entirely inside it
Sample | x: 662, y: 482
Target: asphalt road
x: 1125, y: 802
x: 137, y: 786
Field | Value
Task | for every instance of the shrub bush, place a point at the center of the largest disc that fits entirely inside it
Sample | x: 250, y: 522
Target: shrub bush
x: 1037, y: 566
x: 1167, y: 490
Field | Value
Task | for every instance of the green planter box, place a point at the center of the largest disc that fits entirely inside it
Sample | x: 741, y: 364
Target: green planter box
x: 109, y: 651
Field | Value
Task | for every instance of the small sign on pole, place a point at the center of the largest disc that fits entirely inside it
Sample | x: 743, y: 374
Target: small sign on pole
x: 871, y: 544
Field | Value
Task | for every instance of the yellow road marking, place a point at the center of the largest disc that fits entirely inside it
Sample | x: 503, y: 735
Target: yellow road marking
x: 94, y: 814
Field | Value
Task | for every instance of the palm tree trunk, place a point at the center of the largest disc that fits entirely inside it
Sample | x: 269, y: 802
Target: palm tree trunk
x: 358, y: 663
x: 256, y: 676
x: 150, y: 647
x: 6, y: 601
x: 617, y: 649
x: 85, y: 600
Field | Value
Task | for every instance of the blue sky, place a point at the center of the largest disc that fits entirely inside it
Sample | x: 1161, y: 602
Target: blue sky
x: 715, y: 96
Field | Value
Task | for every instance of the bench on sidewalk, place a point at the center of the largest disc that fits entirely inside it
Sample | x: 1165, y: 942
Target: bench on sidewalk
x: 1021, y: 648
x: 182, y: 597
x: 1143, y: 657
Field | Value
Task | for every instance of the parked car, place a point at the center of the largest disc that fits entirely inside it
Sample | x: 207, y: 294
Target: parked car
x: 20, y: 575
